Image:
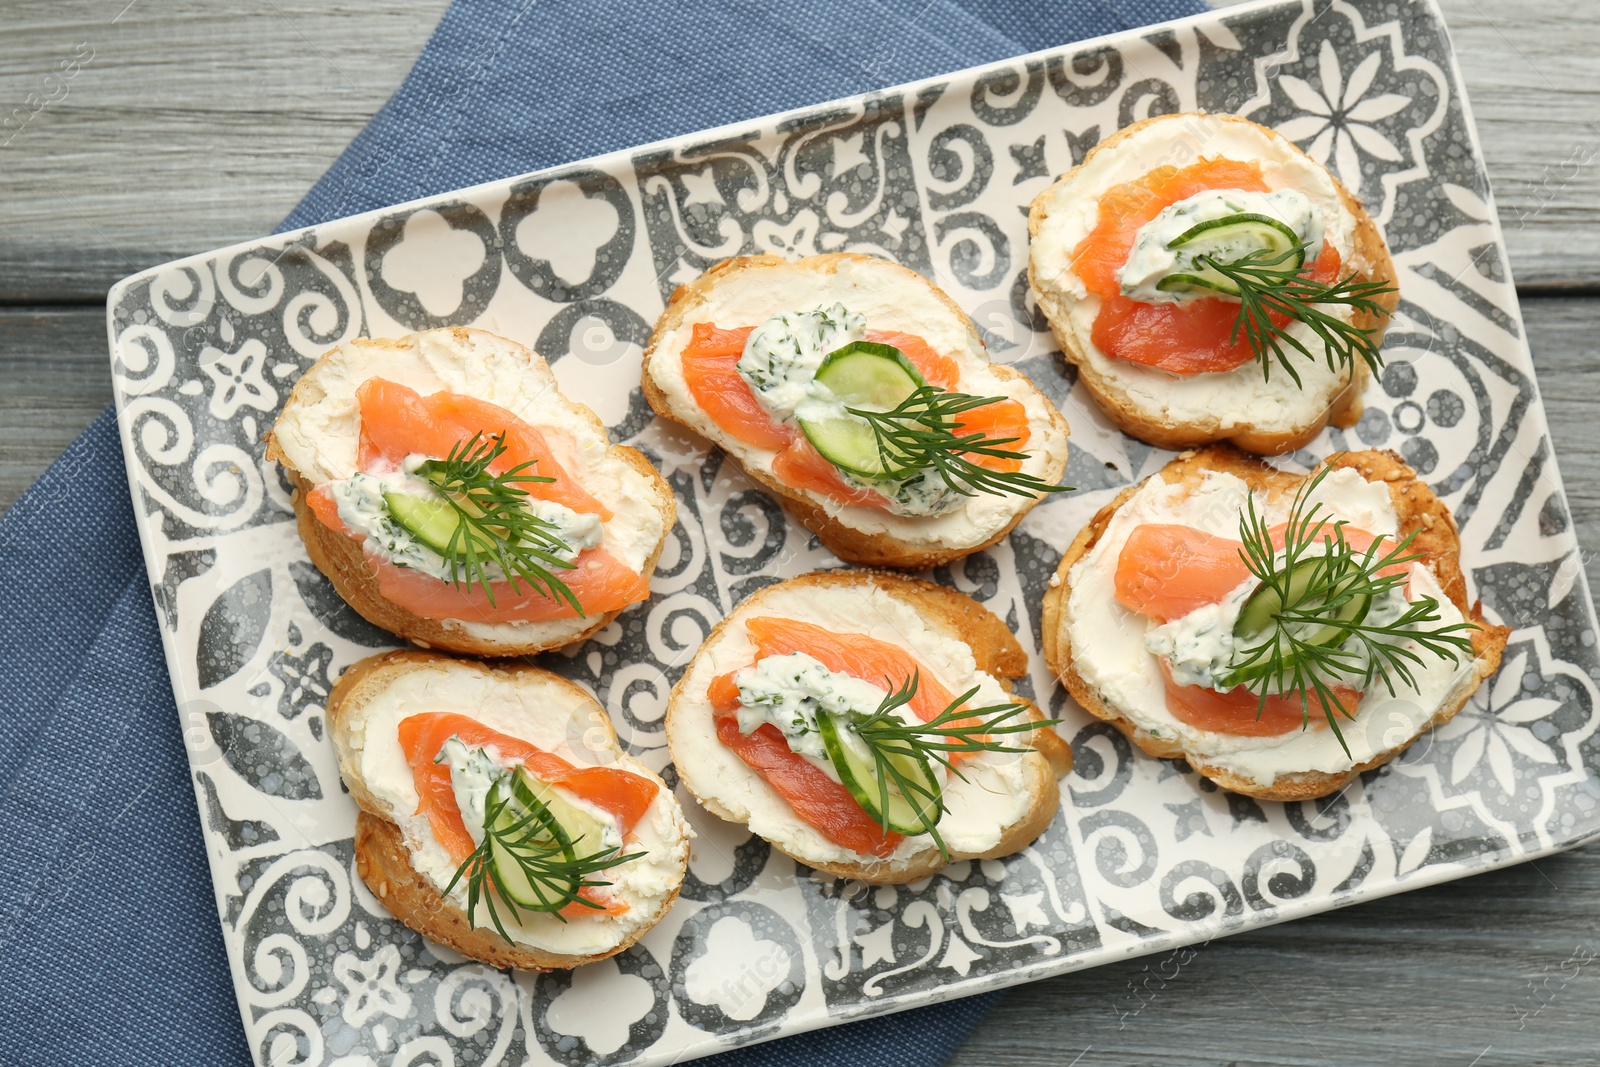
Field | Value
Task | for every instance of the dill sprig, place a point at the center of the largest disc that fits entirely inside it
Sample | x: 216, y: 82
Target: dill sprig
x: 922, y: 433
x: 494, y: 524
x: 903, y: 752
x: 1318, y: 634
x: 538, y: 849
x: 1272, y: 284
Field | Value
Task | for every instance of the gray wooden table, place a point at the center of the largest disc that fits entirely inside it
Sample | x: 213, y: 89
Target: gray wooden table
x: 195, y: 125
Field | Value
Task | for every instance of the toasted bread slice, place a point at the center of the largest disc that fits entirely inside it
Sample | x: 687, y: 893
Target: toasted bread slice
x: 317, y: 438
x: 404, y: 864
x: 955, y: 639
x: 1083, y: 633
x: 749, y: 290
x: 1266, y: 416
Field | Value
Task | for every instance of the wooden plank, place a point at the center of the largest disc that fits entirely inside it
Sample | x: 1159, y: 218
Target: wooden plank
x: 1530, y: 76
x: 195, y: 126
x: 188, y: 127
x: 54, y: 364
x: 1566, y: 350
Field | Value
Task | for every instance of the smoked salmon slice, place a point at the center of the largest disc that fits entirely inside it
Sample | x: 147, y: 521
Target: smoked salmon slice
x: 598, y: 579
x: 326, y: 509
x: 624, y: 796
x: 709, y: 368
x: 1241, y: 712
x: 857, y: 655
x: 397, y: 421
x: 709, y: 362
x: 801, y: 466
x: 1004, y: 420
x: 1190, y: 338
x: 936, y: 369
x: 1101, y: 255
x: 1167, y: 570
x: 818, y: 800
x: 1195, y: 336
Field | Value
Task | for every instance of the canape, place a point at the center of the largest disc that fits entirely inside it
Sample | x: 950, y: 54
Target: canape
x: 858, y: 393
x: 457, y: 499
x: 1282, y: 633
x: 498, y: 815
x: 1211, y: 282
x: 863, y: 724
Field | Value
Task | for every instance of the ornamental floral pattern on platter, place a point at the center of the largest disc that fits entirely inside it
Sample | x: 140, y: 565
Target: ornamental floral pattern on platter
x: 578, y: 262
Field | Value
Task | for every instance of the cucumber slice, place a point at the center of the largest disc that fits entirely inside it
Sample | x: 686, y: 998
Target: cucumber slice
x: 585, y: 833
x: 846, y: 442
x: 1261, y: 610
x: 862, y: 374
x: 516, y: 887
x: 513, y: 802
x: 556, y: 821
x: 865, y: 374
x: 904, y: 815
x: 1228, y: 240
x: 1207, y: 281
x: 1246, y: 228
x: 430, y: 519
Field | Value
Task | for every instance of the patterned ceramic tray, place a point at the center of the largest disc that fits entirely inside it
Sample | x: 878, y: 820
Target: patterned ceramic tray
x: 579, y: 260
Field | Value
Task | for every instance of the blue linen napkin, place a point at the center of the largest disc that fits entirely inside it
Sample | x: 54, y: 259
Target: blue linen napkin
x: 110, y: 949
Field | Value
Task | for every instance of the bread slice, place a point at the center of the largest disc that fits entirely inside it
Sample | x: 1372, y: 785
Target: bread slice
x: 748, y: 290
x: 950, y: 634
x: 396, y: 854
x: 1379, y: 733
x: 1184, y: 411
x: 317, y: 436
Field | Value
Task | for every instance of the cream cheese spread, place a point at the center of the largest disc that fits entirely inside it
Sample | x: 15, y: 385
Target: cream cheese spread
x: 362, y: 507
x: 789, y: 692
x: 1153, y: 257
x: 1199, y: 644
x: 780, y: 364
x: 782, y: 355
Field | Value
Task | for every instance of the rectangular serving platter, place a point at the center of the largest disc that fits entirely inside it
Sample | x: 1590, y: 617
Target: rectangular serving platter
x: 577, y: 261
